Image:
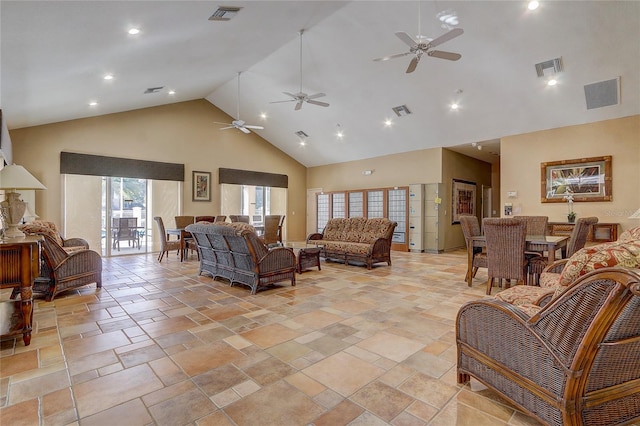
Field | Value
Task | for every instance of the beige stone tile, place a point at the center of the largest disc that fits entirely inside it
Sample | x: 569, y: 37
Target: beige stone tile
x: 79, y: 348
x: 21, y: 414
x: 280, y: 404
x: 202, y: 358
x: 390, y: 346
x: 182, y: 409
x: 38, y: 386
x: 130, y: 413
x: 108, y: 391
x: 343, y: 373
x: 270, y: 335
x: 342, y: 414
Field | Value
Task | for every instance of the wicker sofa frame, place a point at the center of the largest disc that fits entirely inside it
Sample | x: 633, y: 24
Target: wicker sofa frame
x: 575, y: 362
x: 239, y: 256
x: 356, y: 239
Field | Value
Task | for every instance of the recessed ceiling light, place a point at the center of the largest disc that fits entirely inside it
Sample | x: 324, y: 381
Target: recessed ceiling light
x: 388, y: 122
x: 93, y: 103
x: 134, y: 31
x: 339, y: 132
x: 552, y: 82
x: 172, y: 92
x: 263, y: 115
x: 455, y: 106
x: 533, y: 5
x: 108, y: 77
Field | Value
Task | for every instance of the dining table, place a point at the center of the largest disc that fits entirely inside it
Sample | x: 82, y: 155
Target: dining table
x: 182, y: 234
x: 539, y: 243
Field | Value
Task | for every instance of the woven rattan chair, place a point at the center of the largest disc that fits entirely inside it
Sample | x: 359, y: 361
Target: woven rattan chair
x: 69, y: 270
x: 573, y: 362
x: 577, y: 240
x: 165, y: 244
x: 471, y: 228
x: 239, y: 218
x: 272, y: 229
x: 506, y: 242
x: 205, y: 219
x: 536, y: 225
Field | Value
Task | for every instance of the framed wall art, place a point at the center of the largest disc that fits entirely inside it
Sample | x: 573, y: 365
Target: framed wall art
x: 463, y: 197
x: 201, y: 182
x: 587, y: 179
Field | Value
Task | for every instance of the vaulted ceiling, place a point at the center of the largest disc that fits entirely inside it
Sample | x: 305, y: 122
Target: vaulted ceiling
x: 55, y: 54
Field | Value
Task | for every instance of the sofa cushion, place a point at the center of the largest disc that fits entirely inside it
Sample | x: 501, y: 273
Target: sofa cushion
x: 375, y: 228
x: 334, y: 229
x: 630, y: 234
x: 354, y: 227
x: 347, y: 247
x: 618, y: 253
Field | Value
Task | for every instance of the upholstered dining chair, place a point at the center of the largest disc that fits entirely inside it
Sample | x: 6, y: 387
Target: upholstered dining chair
x: 506, y: 241
x: 471, y: 228
x: 577, y: 241
x: 165, y: 243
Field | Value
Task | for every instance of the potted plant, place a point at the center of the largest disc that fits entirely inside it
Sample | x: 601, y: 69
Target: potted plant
x: 571, y: 215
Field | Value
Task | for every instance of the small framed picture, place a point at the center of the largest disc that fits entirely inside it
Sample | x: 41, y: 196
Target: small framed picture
x: 201, y: 182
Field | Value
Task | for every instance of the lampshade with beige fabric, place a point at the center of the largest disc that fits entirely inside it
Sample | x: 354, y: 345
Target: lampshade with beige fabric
x: 12, y: 179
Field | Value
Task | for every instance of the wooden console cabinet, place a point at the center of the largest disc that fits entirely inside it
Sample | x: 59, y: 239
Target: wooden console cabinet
x: 599, y: 233
x: 19, y: 266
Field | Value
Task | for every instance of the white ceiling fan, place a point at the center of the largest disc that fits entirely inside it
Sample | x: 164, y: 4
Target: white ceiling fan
x: 301, y: 97
x: 422, y: 45
x: 239, y: 124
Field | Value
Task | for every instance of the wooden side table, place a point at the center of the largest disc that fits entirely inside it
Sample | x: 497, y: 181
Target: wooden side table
x: 19, y: 266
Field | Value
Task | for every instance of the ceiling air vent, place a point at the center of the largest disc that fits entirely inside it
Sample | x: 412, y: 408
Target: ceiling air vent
x: 302, y: 134
x: 401, y: 110
x: 153, y: 90
x: 224, y: 13
x: 551, y: 66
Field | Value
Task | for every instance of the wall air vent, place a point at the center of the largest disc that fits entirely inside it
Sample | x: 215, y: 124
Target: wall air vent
x: 153, y: 90
x: 224, y: 13
x: 401, y: 110
x: 549, y: 67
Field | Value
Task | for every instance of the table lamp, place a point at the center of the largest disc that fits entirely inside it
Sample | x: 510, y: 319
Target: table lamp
x: 13, y: 178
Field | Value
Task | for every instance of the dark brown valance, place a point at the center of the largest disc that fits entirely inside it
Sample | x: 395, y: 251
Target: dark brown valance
x: 247, y: 177
x: 98, y: 165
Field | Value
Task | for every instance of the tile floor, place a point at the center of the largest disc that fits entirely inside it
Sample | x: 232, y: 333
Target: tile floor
x: 159, y: 345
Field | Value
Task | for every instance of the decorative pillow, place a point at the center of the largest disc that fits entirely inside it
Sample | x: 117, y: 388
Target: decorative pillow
x: 630, y: 234
x: 42, y: 228
x: 619, y: 253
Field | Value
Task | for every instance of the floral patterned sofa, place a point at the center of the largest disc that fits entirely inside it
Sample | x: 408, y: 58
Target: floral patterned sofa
x: 561, y: 275
x: 356, y: 239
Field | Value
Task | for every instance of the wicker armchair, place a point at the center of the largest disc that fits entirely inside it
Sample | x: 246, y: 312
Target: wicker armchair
x: 471, y: 228
x: 506, y: 242
x: 43, y: 227
x: 165, y: 243
x: 69, y: 270
x: 574, y: 362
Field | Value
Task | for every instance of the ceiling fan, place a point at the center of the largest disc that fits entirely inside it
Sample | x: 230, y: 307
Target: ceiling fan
x: 239, y: 124
x: 301, y: 97
x: 422, y: 45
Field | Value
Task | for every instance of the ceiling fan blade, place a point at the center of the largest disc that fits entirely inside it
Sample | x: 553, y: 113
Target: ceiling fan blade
x: 249, y: 126
x: 413, y: 64
x: 290, y: 94
x: 444, y: 55
x: 386, y: 58
x: 406, y: 38
x: 322, y: 104
x: 244, y: 130
x: 225, y: 124
x: 315, y: 96
x: 446, y: 37
x: 279, y: 102
x: 298, y: 105
x: 228, y: 127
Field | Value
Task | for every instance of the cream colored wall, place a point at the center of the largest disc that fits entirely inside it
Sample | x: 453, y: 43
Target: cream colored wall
x: 179, y: 133
x: 458, y: 166
x: 423, y: 166
x: 521, y: 156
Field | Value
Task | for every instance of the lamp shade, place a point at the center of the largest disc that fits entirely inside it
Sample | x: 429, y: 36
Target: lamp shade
x: 15, y: 177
